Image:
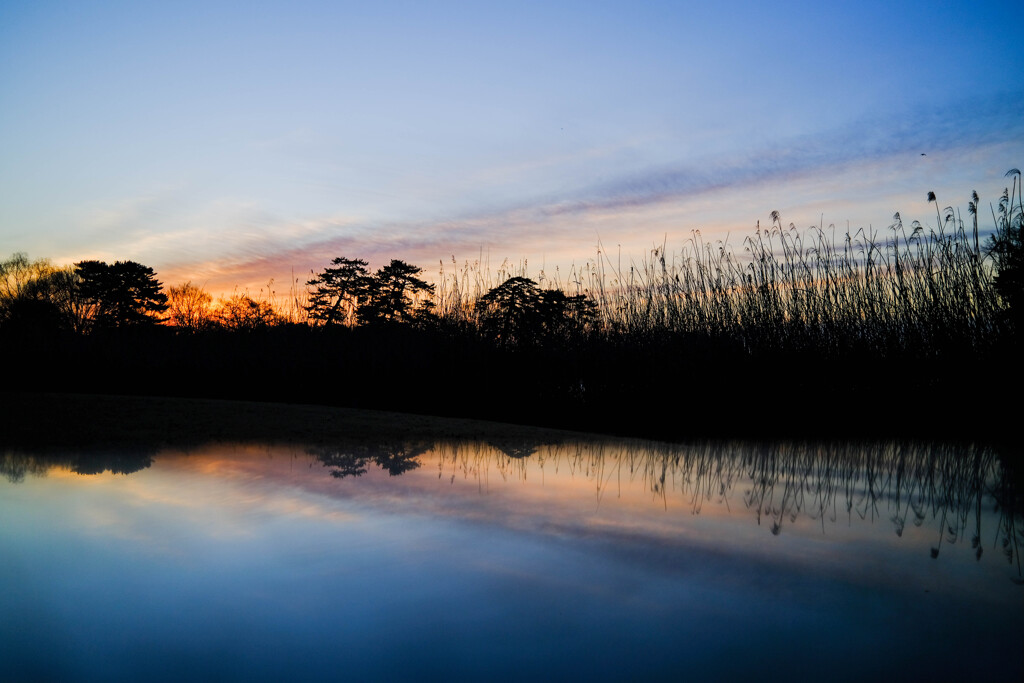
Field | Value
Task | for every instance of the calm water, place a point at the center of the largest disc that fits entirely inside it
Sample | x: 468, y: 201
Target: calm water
x: 584, y: 559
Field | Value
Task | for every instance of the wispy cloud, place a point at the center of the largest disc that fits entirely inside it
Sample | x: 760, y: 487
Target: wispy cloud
x: 863, y: 172
x: 943, y: 129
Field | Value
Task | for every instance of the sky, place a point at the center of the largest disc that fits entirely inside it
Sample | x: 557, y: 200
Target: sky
x: 232, y: 144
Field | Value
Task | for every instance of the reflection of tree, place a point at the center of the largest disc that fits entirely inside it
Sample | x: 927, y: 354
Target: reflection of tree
x: 342, y: 463
x: 400, y: 459
x: 16, y: 464
x: 943, y: 489
x: 351, y: 460
x: 515, y: 448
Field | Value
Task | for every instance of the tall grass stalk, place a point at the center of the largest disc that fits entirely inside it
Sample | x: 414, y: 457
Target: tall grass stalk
x: 905, y: 289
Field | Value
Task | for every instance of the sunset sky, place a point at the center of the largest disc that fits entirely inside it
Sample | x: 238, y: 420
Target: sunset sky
x: 231, y: 143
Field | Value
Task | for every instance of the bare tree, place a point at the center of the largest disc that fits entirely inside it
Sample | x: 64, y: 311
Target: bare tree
x: 39, y: 293
x: 190, y: 307
x: 243, y: 313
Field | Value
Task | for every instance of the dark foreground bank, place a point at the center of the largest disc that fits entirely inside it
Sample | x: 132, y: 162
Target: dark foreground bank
x: 665, y: 387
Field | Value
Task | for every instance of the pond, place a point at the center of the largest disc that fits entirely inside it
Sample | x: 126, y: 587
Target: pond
x: 509, y: 558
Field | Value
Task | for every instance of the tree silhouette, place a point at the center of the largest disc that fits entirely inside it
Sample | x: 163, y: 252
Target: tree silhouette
x: 396, y: 295
x: 518, y: 312
x: 337, y: 292
x: 122, y: 294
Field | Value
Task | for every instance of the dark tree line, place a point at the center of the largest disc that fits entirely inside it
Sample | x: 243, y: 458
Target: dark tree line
x: 94, y: 295
x: 89, y: 295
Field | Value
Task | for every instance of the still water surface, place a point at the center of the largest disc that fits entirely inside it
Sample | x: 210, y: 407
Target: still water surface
x: 518, y: 560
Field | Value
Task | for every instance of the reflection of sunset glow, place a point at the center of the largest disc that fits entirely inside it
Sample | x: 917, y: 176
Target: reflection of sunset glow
x: 216, y: 487
x: 678, y: 497
x: 673, y: 540
x: 594, y: 491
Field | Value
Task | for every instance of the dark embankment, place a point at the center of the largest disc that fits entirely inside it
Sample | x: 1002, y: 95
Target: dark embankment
x: 660, y: 387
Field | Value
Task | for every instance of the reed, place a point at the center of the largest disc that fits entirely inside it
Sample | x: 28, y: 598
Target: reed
x: 907, y: 289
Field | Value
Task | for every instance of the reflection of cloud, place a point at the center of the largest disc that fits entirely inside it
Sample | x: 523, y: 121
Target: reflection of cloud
x: 222, y: 491
x: 626, y: 497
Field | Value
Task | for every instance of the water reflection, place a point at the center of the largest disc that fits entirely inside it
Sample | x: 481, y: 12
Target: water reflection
x: 951, y: 488
x: 778, y: 483
x: 351, y: 459
x: 16, y: 464
x: 511, y: 557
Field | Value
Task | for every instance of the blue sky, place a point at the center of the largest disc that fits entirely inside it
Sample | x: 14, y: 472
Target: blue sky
x: 231, y: 143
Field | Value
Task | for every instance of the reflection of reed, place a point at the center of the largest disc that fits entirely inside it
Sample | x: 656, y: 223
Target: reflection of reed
x: 781, y: 482
x: 778, y: 482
